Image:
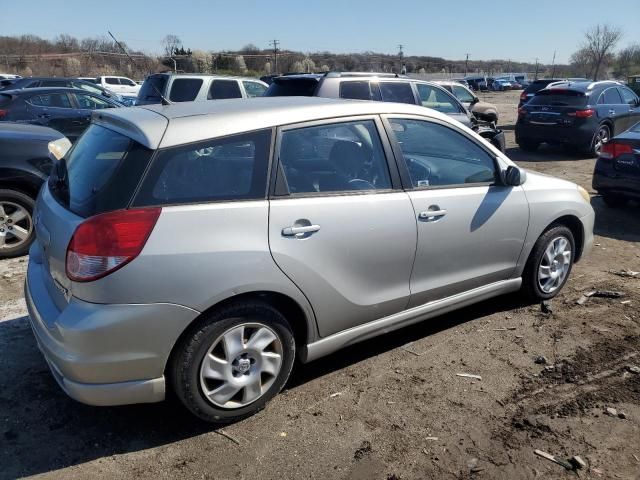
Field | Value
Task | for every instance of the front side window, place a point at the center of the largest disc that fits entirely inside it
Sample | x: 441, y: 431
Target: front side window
x: 437, y: 99
x: 628, y: 96
x: 338, y: 157
x: 254, y: 89
x: 463, y: 94
x: 53, y: 100
x: 89, y: 102
x: 185, y: 89
x: 397, y: 92
x: 111, y: 80
x: 360, y: 90
x: 126, y: 81
x: 221, y: 89
x: 230, y: 168
x: 437, y: 155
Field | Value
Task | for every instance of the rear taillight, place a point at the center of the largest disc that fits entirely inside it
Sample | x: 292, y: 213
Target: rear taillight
x: 3, y: 113
x: 523, y: 96
x: 613, y: 150
x: 522, y: 112
x: 104, y: 243
x: 582, y: 113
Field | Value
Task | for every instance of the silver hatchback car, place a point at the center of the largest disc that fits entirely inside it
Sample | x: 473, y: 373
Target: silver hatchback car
x: 204, y: 246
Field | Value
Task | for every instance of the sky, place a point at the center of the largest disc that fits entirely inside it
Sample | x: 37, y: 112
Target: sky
x: 518, y: 30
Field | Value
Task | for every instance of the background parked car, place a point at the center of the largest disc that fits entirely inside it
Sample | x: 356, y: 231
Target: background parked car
x: 541, y: 83
x: 179, y: 87
x: 617, y: 172
x: 382, y: 87
x: 499, y: 85
x: 35, y: 82
x: 120, y: 85
x: 580, y: 115
x: 483, y: 111
x: 476, y: 83
x: 67, y: 110
x: 24, y: 166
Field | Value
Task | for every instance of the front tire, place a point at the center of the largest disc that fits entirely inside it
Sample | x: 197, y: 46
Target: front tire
x: 16, y: 223
x: 233, y: 362
x: 549, y: 264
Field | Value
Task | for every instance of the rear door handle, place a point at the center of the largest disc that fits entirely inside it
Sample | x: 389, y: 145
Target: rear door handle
x: 612, y: 112
x: 429, y: 214
x: 299, y: 231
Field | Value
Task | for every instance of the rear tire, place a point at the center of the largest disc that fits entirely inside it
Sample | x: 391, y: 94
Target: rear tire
x: 549, y: 264
x: 528, y: 145
x: 614, y: 201
x: 16, y: 223
x: 233, y: 361
x: 602, y: 135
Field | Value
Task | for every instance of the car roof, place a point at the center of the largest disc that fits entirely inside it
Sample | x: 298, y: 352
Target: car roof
x: 199, y: 75
x: 580, y: 86
x: 159, y: 126
x: 32, y: 91
x: 27, y: 132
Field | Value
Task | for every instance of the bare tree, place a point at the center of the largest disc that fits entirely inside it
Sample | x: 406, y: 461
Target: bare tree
x: 171, y: 43
x: 599, y: 42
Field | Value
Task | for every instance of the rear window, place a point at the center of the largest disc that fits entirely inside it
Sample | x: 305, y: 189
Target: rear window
x: 230, y: 168
x: 153, y: 87
x: 100, y: 172
x: 360, y: 90
x: 292, y: 87
x: 221, y: 89
x: 562, y: 98
x: 185, y: 89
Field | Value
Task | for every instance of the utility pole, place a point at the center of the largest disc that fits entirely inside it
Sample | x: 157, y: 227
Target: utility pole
x: 274, y: 43
x: 536, y: 76
x: 553, y: 65
x: 466, y: 65
x: 401, y: 56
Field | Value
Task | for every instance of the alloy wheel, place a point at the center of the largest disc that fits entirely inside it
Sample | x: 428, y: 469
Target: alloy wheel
x: 602, y: 137
x: 554, y: 265
x: 16, y: 225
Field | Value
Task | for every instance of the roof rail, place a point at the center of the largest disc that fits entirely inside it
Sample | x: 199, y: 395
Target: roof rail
x: 334, y: 74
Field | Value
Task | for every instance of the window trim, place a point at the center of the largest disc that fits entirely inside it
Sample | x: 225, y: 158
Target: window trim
x: 278, y: 188
x: 407, y: 183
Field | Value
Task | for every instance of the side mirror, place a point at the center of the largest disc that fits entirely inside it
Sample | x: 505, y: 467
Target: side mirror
x: 475, y: 100
x: 514, y: 177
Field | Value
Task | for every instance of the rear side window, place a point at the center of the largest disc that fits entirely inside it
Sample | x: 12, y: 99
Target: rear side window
x: 54, y: 100
x: 292, y: 87
x: 610, y: 97
x: 360, y: 91
x: 559, y: 98
x: 397, y: 92
x: 221, y: 89
x: 231, y: 168
x: 100, y: 172
x: 254, y: 89
x: 153, y: 87
x: 185, y: 89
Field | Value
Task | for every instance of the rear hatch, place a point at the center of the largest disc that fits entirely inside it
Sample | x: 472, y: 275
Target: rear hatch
x: 99, y: 174
x: 556, y: 107
x: 152, y: 90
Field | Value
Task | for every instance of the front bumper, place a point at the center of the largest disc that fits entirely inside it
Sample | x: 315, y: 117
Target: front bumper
x: 104, y: 354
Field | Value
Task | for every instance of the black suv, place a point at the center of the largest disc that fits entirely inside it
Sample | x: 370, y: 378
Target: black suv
x: 24, y: 166
x: 537, y: 85
x: 580, y: 115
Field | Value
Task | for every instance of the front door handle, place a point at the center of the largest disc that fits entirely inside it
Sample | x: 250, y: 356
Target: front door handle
x: 432, y: 214
x: 299, y: 231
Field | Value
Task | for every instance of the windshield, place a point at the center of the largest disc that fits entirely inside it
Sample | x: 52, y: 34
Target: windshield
x: 100, y: 172
x: 152, y: 88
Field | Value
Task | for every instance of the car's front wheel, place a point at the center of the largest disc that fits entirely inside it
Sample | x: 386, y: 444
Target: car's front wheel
x: 549, y: 263
x: 233, y: 362
x: 16, y: 223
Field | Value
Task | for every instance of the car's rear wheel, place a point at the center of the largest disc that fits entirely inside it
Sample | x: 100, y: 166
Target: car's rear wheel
x: 528, y: 145
x: 233, y: 362
x: 16, y: 223
x: 602, y: 136
x: 549, y: 263
x: 614, y: 201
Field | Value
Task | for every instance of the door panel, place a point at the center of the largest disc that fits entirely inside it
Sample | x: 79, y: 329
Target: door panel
x: 356, y: 267
x: 478, y: 241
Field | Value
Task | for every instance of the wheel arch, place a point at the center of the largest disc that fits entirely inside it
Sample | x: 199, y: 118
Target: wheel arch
x: 574, y: 224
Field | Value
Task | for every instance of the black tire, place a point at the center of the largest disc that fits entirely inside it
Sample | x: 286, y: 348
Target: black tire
x: 11, y: 198
x: 186, y: 360
x: 614, y: 201
x: 593, y: 149
x: 530, y: 286
x: 528, y: 145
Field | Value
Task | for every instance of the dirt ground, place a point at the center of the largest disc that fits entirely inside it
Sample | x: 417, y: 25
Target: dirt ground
x: 390, y: 408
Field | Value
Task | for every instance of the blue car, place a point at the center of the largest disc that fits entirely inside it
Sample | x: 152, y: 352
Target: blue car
x: 617, y: 172
x: 66, y: 110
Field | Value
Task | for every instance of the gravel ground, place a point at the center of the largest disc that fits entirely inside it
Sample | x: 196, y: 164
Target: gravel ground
x: 389, y: 408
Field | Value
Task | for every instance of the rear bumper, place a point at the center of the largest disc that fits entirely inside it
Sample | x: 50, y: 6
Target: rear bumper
x: 580, y: 136
x: 606, y: 180
x: 104, y: 354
